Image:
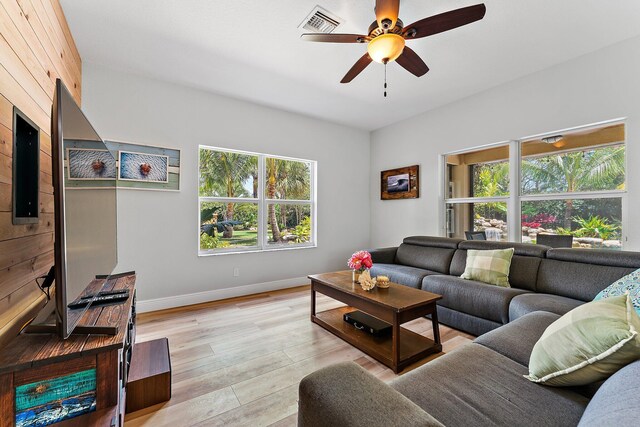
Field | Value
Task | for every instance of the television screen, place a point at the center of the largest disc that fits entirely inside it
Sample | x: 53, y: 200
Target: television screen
x: 86, y: 215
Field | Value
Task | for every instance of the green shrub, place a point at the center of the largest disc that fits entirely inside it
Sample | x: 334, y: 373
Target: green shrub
x: 563, y: 231
x: 595, y: 226
x: 303, y: 230
x: 211, y: 242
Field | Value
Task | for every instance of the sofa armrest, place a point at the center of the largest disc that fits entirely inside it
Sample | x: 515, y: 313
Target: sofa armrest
x: 346, y: 395
x: 384, y: 255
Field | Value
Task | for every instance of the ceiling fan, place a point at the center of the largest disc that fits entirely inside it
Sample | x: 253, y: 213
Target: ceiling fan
x: 387, y: 36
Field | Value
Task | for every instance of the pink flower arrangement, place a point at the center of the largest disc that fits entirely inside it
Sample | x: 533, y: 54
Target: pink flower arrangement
x: 360, y: 261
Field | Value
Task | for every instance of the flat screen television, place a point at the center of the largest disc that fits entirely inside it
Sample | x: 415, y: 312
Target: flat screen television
x: 85, y: 208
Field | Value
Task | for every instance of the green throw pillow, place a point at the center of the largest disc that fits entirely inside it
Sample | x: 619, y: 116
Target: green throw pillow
x: 588, y: 344
x: 489, y: 266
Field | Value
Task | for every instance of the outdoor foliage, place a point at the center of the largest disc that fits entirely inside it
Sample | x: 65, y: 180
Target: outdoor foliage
x: 595, y: 226
x: 589, y: 170
x: 593, y: 169
x: 303, y: 231
x: 235, y: 175
x: 491, y: 180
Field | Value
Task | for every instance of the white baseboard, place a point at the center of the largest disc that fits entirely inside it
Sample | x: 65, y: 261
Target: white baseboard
x: 155, y: 304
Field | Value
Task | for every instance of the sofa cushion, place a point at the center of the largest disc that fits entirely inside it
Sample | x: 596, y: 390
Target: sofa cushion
x: 625, y: 259
x: 384, y: 255
x: 616, y: 403
x: 466, y: 322
x: 577, y: 280
x: 527, y: 303
x: 475, y: 386
x: 432, y: 241
x: 429, y: 258
x: 345, y: 394
x: 588, y: 344
x: 522, y: 274
x: 489, y: 266
x: 471, y: 297
x: 629, y: 283
x: 402, y: 274
x: 523, y: 249
x: 516, y: 339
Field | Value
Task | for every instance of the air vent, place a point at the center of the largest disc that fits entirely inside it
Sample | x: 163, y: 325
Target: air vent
x: 320, y: 20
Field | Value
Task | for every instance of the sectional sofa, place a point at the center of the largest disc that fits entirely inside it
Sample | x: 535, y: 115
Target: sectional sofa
x: 479, y: 384
x: 482, y: 383
x: 541, y: 278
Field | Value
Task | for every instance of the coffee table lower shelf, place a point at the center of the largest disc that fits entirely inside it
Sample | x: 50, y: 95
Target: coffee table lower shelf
x: 413, y: 346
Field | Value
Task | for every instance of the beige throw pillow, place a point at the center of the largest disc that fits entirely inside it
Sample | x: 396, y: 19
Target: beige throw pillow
x: 588, y: 344
x: 489, y: 266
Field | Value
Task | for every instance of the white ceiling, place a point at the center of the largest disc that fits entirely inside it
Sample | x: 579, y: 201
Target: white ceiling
x: 251, y: 49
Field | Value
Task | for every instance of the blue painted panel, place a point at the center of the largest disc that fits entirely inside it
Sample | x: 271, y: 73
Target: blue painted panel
x: 46, y: 402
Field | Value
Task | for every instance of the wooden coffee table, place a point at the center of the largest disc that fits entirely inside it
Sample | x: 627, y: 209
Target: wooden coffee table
x: 396, y: 305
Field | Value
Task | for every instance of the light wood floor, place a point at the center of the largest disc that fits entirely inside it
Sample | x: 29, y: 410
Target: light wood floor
x: 238, y: 362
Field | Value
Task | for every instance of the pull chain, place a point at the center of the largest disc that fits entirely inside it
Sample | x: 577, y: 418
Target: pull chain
x: 385, y: 79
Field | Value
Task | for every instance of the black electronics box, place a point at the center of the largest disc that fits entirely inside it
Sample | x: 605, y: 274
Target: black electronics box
x: 369, y: 324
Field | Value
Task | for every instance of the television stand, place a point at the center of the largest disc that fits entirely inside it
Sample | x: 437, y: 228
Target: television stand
x: 78, y: 330
x: 111, y: 365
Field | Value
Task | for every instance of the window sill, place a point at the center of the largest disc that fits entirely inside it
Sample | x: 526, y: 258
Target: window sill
x: 276, y: 248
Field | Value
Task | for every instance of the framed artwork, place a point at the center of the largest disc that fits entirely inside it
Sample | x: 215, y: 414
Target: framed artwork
x: 401, y: 183
x: 123, y: 165
x: 89, y: 164
x: 143, y: 167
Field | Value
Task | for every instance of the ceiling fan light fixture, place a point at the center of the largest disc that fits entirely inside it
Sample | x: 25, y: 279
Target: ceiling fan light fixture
x: 386, y: 47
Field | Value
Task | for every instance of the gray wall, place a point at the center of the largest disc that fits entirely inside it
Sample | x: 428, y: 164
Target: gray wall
x: 599, y: 86
x: 158, y: 231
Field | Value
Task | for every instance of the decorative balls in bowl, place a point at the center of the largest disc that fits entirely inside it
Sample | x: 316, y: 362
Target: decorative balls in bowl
x: 382, y: 282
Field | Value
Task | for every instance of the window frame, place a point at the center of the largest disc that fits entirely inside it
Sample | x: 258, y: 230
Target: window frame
x: 516, y: 197
x: 262, y: 201
x: 466, y: 200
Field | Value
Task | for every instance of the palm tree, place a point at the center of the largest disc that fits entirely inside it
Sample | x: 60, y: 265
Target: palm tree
x: 285, y: 179
x: 292, y: 183
x: 598, y: 169
x: 273, y: 169
x: 223, y: 174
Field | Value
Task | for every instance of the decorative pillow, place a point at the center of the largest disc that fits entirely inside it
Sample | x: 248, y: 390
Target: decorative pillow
x: 628, y: 284
x: 588, y: 344
x: 490, y: 267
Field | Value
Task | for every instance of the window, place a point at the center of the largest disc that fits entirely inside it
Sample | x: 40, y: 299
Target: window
x: 477, y: 192
x: 570, y: 182
x: 250, y: 202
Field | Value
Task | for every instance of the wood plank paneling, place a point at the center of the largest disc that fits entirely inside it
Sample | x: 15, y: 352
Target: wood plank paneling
x: 16, y: 276
x: 16, y: 251
x: 5, y: 197
x: 6, y: 141
x: 36, y: 48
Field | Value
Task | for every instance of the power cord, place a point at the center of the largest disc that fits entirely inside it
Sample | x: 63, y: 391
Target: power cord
x: 46, y: 283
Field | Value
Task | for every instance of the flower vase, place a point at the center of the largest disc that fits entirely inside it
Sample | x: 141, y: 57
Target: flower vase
x: 355, y: 276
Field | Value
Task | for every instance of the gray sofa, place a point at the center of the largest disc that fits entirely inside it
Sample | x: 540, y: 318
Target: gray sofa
x: 479, y: 384
x: 541, y: 278
x: 482, y: 383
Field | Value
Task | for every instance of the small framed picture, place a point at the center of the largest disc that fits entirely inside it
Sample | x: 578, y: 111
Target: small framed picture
x: 86, y: 164
x: 143, y: 167
x: 401, y: 183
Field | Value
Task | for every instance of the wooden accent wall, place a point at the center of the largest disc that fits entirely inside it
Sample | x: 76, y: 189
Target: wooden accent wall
x: 36, y: 47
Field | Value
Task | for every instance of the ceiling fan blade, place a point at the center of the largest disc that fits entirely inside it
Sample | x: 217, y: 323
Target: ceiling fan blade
x: 444, y: 22
x: 334, y: 38
x: 410, y: 61
x: 387, y: 9
x: 357, y: 68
